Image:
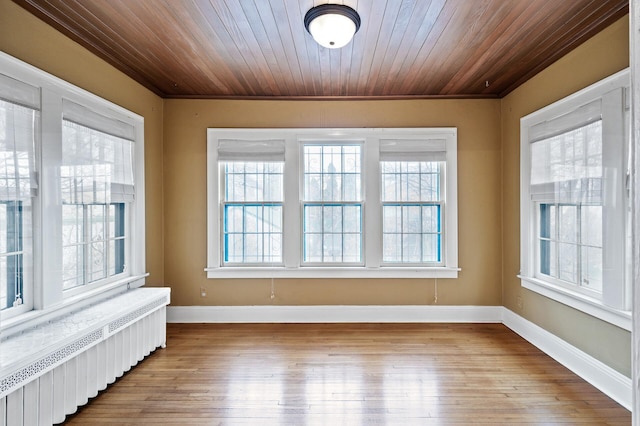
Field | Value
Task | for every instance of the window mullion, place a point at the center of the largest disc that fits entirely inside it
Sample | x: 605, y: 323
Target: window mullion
x: 579, y: 244
x: 47, y: 248
x: 86, y: 247
x: 107, y: 233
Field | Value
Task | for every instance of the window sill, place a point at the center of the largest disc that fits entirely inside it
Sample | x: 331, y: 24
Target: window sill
x: 331, y: 272
x: 579, y: 301
x: 35, y: 317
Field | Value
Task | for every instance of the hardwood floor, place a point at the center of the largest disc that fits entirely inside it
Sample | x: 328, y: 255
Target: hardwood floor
x: 349, y: 374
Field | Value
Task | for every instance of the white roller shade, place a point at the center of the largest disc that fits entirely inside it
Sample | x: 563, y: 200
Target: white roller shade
x: 257, y: 150
x: 580, y: 117
x: 567, y: 168
x: 413, y: 150
x: 17, y: 92
x: 18, y: 126
x: 96, y: 167
x: 79, y: 114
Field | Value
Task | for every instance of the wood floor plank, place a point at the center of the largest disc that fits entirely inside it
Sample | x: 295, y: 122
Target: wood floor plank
x: 353, y: 374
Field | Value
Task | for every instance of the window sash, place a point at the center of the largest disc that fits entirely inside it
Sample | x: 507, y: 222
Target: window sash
x: 338, y: 181
x: 265, y: 195
x: 330, y: 231
x: 555, y: 243
x: 264, y: 238
x: 96, y: 242
x: 404, y: 232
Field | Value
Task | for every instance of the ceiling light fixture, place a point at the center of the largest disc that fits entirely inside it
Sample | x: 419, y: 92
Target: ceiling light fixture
x: 332, y: 25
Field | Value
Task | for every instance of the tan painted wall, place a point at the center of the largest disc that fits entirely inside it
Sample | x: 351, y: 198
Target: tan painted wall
x: 478, y: 123
x: 603, y: 55
x: 30, y: 40
x: 175, y: 147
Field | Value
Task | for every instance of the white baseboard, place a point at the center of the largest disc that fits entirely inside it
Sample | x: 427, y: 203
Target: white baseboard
x: 333, y: 314
x: 612, y: 383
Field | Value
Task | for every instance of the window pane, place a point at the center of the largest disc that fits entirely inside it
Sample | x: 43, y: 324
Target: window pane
x: 72, y: 266
x: 411, y: 220
x: 352, y: 248
x: 352, y: 219
x: 117, y: 223
x: 333, y: 219
x: 410, y: 181
x: 97, y: 222
x: 431, y: 219
x: 432, y: 248
x: 313, y: 218
x: 412, y: 248
x: 332, y: 173
x: 252, y: 181
x: 72, y: 224
x: 392, y: 219
x: 97, y: 257
x: 592, y: 268
x: 568, y: 221
x: 313, y: 247
x: 591, y: 225
x: 553, y: 254
x: 568, y: 262
x: 332, y: 248
x: 392, y: 247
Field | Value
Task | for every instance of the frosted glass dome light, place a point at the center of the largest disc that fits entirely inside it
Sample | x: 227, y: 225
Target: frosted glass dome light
x: 332, y: 25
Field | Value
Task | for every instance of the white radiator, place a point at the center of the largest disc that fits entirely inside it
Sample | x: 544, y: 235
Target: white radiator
x: 49, y: 371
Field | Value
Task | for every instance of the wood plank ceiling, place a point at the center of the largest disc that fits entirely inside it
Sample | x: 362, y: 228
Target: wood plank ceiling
x: 260, y: 48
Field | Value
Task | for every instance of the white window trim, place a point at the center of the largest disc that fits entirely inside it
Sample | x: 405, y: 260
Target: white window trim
x: 372, y: 224
x: 47, y: 296
x: 575, y: 299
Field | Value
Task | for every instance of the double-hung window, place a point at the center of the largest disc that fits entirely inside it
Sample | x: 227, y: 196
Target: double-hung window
x: 71, y: 199
x: 412, y: 176
x: 332, y: 204
x: 317, y: 203
x: 19, y: 118
x: 97, y: 185
x: 252, y: 201
x: 574, y: 199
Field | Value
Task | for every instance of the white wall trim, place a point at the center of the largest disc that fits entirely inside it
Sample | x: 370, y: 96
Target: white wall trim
x: 333, y: 314
x: 612, y: 383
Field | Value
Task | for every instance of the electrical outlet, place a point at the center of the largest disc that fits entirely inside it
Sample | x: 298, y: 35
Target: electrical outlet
x: 203, y: 292
x: 519, y: 302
